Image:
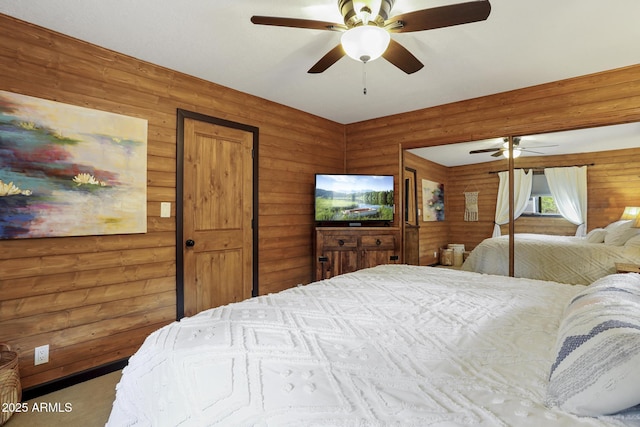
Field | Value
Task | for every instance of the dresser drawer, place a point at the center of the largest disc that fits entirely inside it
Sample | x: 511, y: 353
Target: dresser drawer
x: 332, y: 242
x: 378, y: 242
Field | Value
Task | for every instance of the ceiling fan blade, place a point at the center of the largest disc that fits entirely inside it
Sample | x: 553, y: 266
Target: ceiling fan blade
x: 442, y: 16
x: 399, y: 56
x: 485, y: 150
x: 498, y: 153
x: 328, y: 60
x: 531, y: 151
x: 544, y: 146
x: 298, y: 23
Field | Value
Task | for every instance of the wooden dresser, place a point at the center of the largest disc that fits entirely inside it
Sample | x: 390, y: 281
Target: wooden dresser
x: 345, y: 249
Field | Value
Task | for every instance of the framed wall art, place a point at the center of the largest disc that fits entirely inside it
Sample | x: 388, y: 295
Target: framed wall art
x: 70, y: 171
x: 432, y: 201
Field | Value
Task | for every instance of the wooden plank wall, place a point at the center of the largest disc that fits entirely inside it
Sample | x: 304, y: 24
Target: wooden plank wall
x: 539, y: 225
x: 605, y: 98
x: 94, y: 299
x: 472, y: 178
x: 433, y: 235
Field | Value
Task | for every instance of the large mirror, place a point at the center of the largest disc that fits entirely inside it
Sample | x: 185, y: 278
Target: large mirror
x: 608, y: 155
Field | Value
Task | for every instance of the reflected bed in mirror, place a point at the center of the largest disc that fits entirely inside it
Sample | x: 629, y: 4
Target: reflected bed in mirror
x: 564, y: 259
x: 613, y: 181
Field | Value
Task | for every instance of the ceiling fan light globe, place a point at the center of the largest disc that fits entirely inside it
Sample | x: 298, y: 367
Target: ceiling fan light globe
x: 516, y: 153
x: 365, y: 43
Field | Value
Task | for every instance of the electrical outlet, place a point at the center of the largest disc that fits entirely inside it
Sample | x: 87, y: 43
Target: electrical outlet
x: 41, y: 355
x: 435, y: 254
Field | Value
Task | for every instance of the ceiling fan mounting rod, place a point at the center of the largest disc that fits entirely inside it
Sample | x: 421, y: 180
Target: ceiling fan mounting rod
x: 367, y: 14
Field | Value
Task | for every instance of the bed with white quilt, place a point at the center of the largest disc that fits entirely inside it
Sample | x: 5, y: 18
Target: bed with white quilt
x: 564, y: 259
x: 397, y: 345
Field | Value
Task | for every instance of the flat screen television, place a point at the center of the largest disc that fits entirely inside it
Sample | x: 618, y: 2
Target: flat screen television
x: 352, y: 199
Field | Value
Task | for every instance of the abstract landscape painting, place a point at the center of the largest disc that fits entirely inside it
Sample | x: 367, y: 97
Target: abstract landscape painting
x: 432, y: 201
x: 70, y: 171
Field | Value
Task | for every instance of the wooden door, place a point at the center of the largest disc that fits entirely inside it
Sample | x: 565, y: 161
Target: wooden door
x: 217, y: 215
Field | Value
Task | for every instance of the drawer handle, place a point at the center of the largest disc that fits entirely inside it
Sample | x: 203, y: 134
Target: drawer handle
x: 378, y: 242
x: 341, y: 242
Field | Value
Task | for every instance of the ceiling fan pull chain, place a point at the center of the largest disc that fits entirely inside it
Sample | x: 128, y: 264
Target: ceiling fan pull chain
x: 364, y: 78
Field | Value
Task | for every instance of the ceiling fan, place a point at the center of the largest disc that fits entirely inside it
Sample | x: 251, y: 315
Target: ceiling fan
x: 503, y: 149
x: 367, y: 27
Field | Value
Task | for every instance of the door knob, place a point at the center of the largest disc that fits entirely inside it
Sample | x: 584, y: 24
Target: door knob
x: 190, y: 243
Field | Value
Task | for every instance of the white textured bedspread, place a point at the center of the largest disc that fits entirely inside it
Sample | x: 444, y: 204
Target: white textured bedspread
x: 388, y: 346
x: 564, y: 259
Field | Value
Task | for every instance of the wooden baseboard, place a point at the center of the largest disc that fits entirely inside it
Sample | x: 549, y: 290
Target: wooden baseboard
x: 50, y: 387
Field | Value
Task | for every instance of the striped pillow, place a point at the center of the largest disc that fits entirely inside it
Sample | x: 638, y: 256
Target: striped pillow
x: 597, y: 368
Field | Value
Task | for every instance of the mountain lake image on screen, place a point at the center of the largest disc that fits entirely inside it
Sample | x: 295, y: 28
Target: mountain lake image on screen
x: 353, y: 198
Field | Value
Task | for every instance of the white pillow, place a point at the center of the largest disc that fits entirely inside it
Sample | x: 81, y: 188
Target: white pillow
x: 619, y: 223
x: 596, y: 235
x: 597, y: 368
x: 633, y: 242
x: 619, y: 235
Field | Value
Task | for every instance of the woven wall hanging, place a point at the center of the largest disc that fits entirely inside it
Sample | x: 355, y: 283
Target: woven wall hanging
x: 471, y: 205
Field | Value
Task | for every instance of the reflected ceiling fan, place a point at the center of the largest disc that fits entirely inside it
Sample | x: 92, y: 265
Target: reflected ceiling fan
x: 503, y: 149
x: 367, y: 27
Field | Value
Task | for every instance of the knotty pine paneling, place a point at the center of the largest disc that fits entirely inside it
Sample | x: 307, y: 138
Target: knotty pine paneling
x: 93, y: 299
x: 433, y: 235
x: 604, y: 98
x: 541, y: 225
x: 472, y: 178
x: 593, y: 100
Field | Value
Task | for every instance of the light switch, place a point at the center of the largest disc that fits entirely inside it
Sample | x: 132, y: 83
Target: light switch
x: 165, y: 209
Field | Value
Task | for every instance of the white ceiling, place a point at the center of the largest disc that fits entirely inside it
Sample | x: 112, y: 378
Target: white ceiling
x: 604, y: 138
x: 522, y: 43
